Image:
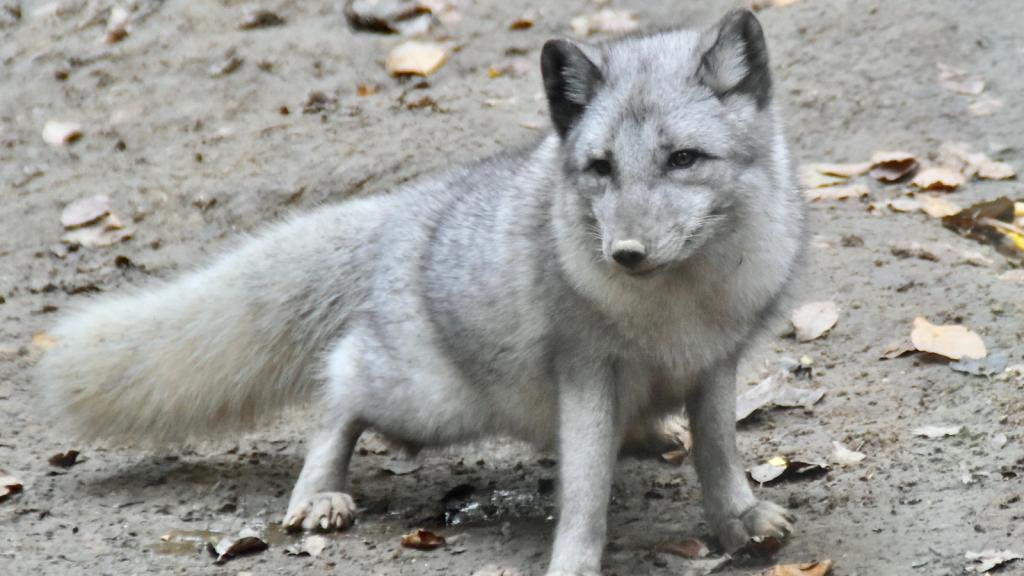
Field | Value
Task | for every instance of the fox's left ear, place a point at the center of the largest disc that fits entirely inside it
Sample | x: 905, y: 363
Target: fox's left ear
x: 735, y: 59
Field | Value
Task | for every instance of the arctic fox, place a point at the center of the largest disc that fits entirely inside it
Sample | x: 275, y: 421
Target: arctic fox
x: 572, y: 295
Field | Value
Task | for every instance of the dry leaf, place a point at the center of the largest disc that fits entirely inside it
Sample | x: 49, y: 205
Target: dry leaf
x: 386, y: 16
x: 401, y: 467
x: 607, y: 21
x: 837, y: 192
x: 960, y: 81
x: 58, y: 134
x: 897, y: 348
x: 314, y: 545
x: 984, y: 106
x: 512, y: 67
x: 937, y: 431
x: 363, y: 90
x: 261, y: 19
x: 844, y: 456
x: 783, y: 3
x: 228, y: 548
x: 990, y: 222
x: 43, y: 341
x: 843, y: 170
x: 760, y: 395
x: 789, y: 397
x: 64, y: 459
x: 811, y: 177
x: 108, y: 233
x: 422, y: 540
x: 814, y: 319
x: 952, y: 341
x: 687, y: 548
x: 117, y: 25
x: 85, y: 211
x: 526, y: 20
x: 892, y: 166
x: 963, y: 158
x: 423, y: 58
x: 763, y: 545
x: 813, y: 569
x: 989, y: 559
x: 937, y: 207
x: 938, y: 178
x: 1012, y: 276
x: 9, y: 485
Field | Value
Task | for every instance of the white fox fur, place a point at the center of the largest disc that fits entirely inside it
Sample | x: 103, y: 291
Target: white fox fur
x: 571, y: 295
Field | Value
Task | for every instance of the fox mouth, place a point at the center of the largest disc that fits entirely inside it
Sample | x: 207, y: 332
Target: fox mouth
x: 645, y: 273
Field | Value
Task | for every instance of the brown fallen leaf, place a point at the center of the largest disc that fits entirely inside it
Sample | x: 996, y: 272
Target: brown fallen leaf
x: 9, y: 485
x: 687, y: 548
x: 228, y: 548
x: 952, y: 341
x: 64, y: 459
x: 812, y: 569
x: 892, y: 166
x: 58, y: 134
x: 422, y: 58
x: 118, y: 25
x: 990, y: 223
x: 814, y: 319
x: 525, y: 20
x: 937, y: 207
x: 765, y: 546
x: 85, y: 211
x: 261, y: 19
x: 384, y: 16
x: 938, y: 178
x: 837, y: 192
x: 364, y: 90
x: 781, y: 468
x: 422, y: 540
x: 317, y: 102
x: 607, y: 21
x: 960, y: 81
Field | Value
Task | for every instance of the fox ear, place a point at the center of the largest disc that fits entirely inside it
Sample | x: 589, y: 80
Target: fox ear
x: 736, y: 61
x: 570, y: 80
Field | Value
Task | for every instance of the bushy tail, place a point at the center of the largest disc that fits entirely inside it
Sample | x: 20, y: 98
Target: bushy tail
x: 216, y: 350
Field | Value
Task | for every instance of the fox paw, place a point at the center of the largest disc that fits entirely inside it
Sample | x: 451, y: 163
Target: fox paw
x: 324, y: 511
x: 761, y: 519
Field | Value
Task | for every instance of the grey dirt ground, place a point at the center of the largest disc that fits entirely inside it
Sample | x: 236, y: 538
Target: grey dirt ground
x: 192, y: 162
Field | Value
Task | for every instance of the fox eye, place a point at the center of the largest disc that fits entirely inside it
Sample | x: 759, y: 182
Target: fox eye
x: 684, y: 158
x: 601, y: 167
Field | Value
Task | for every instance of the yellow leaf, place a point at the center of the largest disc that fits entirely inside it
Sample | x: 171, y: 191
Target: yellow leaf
x: 777, y: 461
x: 423, y: 58
x: 952, y: 341
x: 43, y: 340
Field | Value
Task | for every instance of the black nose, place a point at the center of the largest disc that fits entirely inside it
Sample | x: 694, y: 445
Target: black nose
x: 629, y: 258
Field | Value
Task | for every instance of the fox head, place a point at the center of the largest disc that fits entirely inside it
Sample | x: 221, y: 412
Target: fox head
x: 667, y: 139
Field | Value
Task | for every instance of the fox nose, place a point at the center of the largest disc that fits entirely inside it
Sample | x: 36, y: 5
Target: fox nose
x: 628, y: 253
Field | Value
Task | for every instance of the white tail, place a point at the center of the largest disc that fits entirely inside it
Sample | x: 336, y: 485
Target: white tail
x: 218, y: 349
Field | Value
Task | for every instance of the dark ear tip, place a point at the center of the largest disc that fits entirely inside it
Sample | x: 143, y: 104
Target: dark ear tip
x: 742, y: 20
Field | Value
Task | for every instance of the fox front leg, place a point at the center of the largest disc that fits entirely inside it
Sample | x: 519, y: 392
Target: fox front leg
x: 588, y: 438
x: 732, y: 510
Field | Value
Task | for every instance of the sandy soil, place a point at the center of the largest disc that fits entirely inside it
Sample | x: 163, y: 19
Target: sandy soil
x: 193, y: 161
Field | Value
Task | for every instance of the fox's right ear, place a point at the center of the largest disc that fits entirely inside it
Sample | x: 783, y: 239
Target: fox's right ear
x: 570, y: 80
